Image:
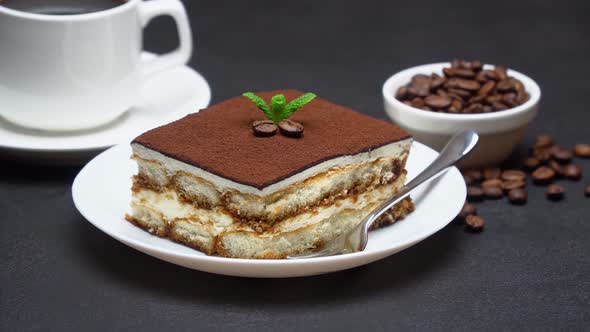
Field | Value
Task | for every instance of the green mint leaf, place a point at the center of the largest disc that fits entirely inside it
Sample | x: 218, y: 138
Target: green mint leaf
x: 277, y: 104
x: 296, y: 104
x: 260, y: 103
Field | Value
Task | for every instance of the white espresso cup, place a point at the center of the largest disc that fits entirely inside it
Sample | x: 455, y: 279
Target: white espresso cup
x: 73, y: 71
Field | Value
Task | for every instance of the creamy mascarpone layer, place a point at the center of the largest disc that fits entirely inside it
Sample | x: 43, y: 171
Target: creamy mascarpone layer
x: 396, y: 149
x: 168, y: 204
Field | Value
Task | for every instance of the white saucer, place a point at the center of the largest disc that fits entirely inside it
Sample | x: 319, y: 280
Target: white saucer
x: 165, y: 97
x: 102, y: 192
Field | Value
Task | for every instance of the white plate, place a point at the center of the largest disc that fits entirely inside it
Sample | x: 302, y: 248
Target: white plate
x: 165, y: 97
x: 101, y: 192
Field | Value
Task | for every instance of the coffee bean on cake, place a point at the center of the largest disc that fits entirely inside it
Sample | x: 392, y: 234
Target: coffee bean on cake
x: 291, y: 128
x: 264, y: 128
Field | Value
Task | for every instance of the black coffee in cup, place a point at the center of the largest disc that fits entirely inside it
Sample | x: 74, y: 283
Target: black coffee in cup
x: 61, y: 7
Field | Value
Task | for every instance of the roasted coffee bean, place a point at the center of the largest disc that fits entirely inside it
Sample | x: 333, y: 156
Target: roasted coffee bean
x: 475, y: 65
x: 509, y: 99
x: 491, y: 183
x: 555, y: 192
x: 463, y: 84
x: 459, y: 72
x: 473, y: 108
x: 474, y: 223
x: 492, y: 173
x: 493, y: 192
x: 582, y: 150
x: 485, y: 75
x: 506, y: 85
x: 531, y: 163
x: 436, y: 81
x: 542, y: 155
x: 418, y: 90
x: 487, y: 88
x: 517, y: 196
x: 543, y: 141
x: 561, y: 155
x: 456, y: 106
x: 587, y: 191
x: 511, y: 185
x: 474, y: 194
x: 555, y: 166
x: 499, y: 106
x: 459, y: 94
x: 513, y: 175
x: 264, y: 128
x: 420, y: 80
x: 418, y: 102
x: 475, y: 174
x: 401, y: 93
x: 487, y: 109
x: 437, y: 102
x: 501, y: 72
x: 468, y: 209
x: 543, y: 175
x: 476, y: 99
x: 291, y: 128
x: 572, y: 172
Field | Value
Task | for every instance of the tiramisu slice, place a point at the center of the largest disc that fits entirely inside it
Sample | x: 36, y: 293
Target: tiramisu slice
x: 223, y: 183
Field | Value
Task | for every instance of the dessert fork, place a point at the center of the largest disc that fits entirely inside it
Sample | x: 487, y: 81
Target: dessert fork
x: 356, y: 239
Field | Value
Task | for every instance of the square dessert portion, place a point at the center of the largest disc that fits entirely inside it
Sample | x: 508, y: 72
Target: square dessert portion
x: 209, y: 182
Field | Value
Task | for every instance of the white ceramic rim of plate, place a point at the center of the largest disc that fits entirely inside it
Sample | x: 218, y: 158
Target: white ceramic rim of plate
x: 238, y: 262
x: 100, y: 144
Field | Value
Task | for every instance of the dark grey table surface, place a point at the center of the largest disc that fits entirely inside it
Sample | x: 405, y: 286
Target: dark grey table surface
x: 528, y: 271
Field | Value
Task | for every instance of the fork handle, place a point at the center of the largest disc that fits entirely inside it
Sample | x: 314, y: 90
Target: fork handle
x: 457, y: 148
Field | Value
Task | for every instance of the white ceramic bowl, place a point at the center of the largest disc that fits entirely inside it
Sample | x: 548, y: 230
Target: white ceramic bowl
x: 499, y: 131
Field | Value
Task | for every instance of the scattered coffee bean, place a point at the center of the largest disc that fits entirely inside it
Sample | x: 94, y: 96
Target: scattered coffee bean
x: 465, y: 88
x: 491, y: 183
x: 582, y: 150
x: 555, y: 192
x: 561, y: 155
x: 513, y: 175
x: 555, y: 166
x: 542, y: 155
x: 572, y: 172
x: 493, y: 192
x: 531, y: 163
x: 474, y: 223
x: 291, y: 128
x: 475, y: 174
x: 474, y: 194
x: 515, y: 184
x: 587, y: 191
x: 543, y: 141
x: 517, y: 196
x: 468, y: 209
x: 264, y: 128
x: 492, y: 173
x: 543, y: 175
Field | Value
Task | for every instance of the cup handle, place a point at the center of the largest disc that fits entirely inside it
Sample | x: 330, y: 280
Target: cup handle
x: 174, y: 8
